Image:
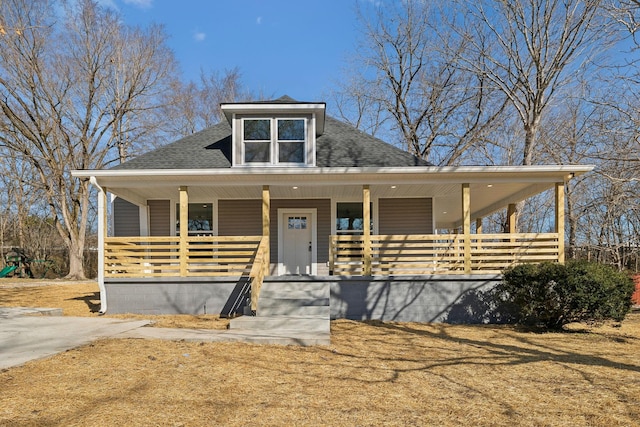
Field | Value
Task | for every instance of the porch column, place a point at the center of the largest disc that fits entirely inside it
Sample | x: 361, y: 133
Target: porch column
x: 560, y: 220
x: 366, y: 229
x: 102, y: 237
x: 511, y: 221
x: 479, y: 231
x: 184, y: 229
x: 466, y: 227
x: 266, y: 224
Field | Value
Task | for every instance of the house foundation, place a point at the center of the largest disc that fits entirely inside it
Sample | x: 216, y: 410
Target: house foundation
x: 428, y: 298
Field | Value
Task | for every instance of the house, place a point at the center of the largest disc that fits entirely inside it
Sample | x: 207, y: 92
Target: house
x: 280, y: 192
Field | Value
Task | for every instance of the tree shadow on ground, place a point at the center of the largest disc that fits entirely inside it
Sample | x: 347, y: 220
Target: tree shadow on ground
x: 524, y: 351
x: 94, y: 307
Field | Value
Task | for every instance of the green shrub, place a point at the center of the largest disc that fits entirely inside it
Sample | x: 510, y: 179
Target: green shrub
x: 552, y: 295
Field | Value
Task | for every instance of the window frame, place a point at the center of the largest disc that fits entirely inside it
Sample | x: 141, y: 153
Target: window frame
x: 274, y: 142
x: 354, y: 232
x: 279, y: 141
x: 210, y: 212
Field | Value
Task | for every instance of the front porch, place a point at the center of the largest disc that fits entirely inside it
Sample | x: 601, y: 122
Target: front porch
x: 352, y: 253
x: 393, y: 236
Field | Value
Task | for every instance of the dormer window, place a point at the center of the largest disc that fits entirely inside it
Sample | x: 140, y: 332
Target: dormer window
x: 257, y: 140
x: 277, y: 133
x: 267, y: 139
x: 290, y: 142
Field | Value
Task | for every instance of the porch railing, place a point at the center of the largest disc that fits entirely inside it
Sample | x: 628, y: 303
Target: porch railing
x: 228, y: 256
x: 258, y: 272
x: 438, y: 254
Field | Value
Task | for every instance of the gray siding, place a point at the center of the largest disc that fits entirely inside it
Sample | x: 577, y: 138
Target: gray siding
x: 244, y: 218
x: 159, y: 217
x: 323, y: 207
x: 405, y: 216
x: 240, y: 217
x: 126, y: 218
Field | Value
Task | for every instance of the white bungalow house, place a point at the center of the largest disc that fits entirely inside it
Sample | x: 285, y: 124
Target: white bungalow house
x: 280, y: 192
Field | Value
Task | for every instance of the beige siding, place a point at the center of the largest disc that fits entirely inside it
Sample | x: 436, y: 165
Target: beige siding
x: 405, y: 216
x: 159, y: 217
x: 240, y: 217
x: 126, y: 218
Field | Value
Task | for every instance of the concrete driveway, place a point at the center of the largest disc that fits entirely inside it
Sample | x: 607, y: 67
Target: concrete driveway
x: 26, y: 337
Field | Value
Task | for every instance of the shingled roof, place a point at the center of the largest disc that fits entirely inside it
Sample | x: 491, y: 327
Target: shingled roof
x: 341, y: 145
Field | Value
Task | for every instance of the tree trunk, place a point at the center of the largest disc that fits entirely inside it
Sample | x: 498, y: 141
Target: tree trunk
x: 76, y: 257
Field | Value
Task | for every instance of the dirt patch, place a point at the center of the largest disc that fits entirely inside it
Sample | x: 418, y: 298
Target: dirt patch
x: 373, y: 374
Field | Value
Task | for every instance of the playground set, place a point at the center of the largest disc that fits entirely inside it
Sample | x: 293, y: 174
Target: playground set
x: 17, y: 264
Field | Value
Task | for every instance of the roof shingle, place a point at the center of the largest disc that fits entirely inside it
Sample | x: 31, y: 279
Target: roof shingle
x: 341, y: 145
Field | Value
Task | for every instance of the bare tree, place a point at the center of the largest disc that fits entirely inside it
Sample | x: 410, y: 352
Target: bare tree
x: 529, y: 49
x: 70, y: 87
x: 408, y: 68
x: 196, y: 106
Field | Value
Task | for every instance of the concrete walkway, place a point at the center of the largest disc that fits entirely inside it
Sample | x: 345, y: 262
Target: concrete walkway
x: 34, y: 333
x: 25, y: 338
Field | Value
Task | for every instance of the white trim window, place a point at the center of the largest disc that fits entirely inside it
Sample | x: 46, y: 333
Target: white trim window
x: 275, y: 140
x: 256, y: 137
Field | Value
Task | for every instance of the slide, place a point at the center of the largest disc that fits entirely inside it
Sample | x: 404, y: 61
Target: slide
x: 7, y: 270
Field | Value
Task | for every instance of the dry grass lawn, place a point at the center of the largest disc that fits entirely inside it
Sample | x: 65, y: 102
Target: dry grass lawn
x: 373, y: 374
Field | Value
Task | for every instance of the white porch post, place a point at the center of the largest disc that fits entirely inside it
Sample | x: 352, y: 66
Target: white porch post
x: 184, y: 229
x: 466, y: 227
x: 366, y: 229
x: 266, y: 224
x: 102, y: 234
x: 143, y: 213
x: 560, y: 220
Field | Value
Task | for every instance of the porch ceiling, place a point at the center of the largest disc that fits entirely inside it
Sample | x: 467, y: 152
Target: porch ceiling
x: 492, y: 188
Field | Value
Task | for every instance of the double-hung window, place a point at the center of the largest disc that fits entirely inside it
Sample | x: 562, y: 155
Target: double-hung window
x: 290, y: 142
x: 257, y: 140
x: 274, y: 140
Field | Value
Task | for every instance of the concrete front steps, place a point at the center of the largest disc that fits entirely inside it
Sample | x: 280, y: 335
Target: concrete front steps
x: 289, y: 312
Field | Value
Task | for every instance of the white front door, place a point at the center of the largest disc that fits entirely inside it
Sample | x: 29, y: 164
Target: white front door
x: 297, y: 246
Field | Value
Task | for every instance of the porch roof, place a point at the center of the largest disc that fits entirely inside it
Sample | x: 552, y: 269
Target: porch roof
x: 492, y: 187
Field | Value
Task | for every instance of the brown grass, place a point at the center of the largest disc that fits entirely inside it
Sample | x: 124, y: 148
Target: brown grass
x: 373, y: 374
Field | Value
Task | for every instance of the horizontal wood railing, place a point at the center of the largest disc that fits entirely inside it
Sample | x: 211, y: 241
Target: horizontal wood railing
x: 492, y: 253
x: 439, y: 254
x: 227, y: 256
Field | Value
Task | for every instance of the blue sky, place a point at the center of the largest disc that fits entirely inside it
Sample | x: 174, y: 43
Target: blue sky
x: 293, y: 47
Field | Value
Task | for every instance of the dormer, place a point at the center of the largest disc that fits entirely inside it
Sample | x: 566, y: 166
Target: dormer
x: 280, y: 133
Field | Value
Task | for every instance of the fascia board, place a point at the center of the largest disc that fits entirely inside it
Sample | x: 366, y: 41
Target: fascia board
x: 418, y: 175
x: 315, y: 108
